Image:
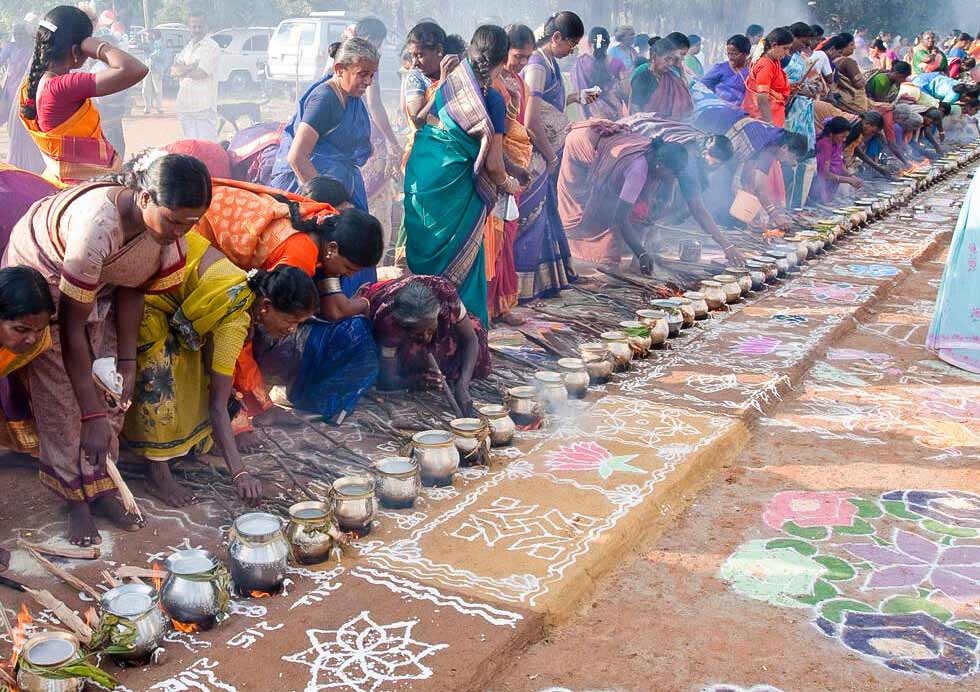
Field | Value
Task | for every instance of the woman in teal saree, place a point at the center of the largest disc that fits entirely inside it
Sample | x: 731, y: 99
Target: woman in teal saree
x: 954, y: 334
x: 455, y: 171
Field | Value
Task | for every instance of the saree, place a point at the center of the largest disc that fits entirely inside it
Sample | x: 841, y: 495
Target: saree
x: 378, y: 184
x: 17, y: 430
x: 666, y: 94
x: 954, y: 334
x: 597, y: 157
x: 170, y: 414
x: 74, y: 240
x: 214, y: 156
x: 252, y: 151
x: 19, y: 190
x: 799, y: 114
x: 766, y: 76
x: 542, y: 257
x: 75, y: 150
x: 448, y: 194
x: 830, y: 160
x: 413, y: 356
x: 609, y: 105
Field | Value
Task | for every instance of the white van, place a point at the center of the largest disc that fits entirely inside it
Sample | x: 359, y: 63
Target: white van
x: 298, y: 48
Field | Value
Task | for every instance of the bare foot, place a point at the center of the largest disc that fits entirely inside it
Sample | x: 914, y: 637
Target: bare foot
x: 511, y: 319
x: 277, y: 417
x: 111, y: 507
x: 81, y: 526
x: 249, y: 443
x: 161, y: 484
x: 4, y: 559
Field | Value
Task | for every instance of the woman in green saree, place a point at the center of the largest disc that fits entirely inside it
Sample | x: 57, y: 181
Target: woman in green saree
x: 456, y: 170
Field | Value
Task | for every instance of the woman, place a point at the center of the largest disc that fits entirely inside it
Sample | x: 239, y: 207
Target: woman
x: 189, y: 341
x: 597, y: 70
x: 455, y: 172
x: 331, y: 133
x: 503, y: 288
x: 761, y: 177
x: 416, y: 317
x: 56, y: 102
x: 767, y: 88
x: 327, y: 365
x: 882, y: 57
x: 831, y: 171
x: 26, y: 309
x: 863, y: 143
x: 693, y: 68
x: 606, y: 171
x: 727, y: 79
x: 18, y: 190
x: 954, y: 334
x: 541, y: 253
x: 660, y: 89
x: 706, y: 153
x: 799, y: 110
x: 926, y: 57
x: 101, y: 246
x: 849, y: 82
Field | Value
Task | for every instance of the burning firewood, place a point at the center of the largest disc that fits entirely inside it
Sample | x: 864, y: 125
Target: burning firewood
x: 68, y: 617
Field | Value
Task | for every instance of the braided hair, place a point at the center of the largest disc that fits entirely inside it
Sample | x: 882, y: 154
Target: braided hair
x: 71, y: 27
x: 487, y: 50
x: 359, y: 236
x: 599, y: 40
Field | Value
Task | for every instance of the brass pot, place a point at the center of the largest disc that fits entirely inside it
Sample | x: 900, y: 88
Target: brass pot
x: 714, y: 294
x: 638, y: 336
x: 698, y: 304
x: 729, y: 284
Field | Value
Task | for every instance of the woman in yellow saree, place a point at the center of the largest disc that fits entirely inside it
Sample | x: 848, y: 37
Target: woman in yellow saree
x: 189, y: 342
x: 56, y: 100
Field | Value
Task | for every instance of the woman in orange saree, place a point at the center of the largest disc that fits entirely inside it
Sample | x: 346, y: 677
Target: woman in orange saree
x: 56, y: 104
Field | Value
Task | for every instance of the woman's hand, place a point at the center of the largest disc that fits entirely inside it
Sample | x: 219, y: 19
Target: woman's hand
x: 127, y: 368
x: 248, y: 487
x: 447, y: 65
x: 95, y: 441
x: 854, y: 182
x: 462, y: 391
x: 734, y: 256
x: 277, y: 417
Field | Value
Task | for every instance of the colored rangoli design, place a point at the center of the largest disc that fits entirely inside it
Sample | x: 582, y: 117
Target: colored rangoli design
x: 589, y: 456
x: 895, y: 578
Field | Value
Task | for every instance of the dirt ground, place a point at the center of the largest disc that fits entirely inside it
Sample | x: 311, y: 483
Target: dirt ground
x: 712, y: 602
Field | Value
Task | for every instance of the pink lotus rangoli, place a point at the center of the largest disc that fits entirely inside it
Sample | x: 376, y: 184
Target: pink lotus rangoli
x: 589, y: 456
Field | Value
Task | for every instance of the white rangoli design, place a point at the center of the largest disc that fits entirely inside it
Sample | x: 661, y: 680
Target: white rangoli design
x: 362, y: 655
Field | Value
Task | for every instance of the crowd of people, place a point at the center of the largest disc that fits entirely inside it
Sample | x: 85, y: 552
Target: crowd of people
x: 222, y: 279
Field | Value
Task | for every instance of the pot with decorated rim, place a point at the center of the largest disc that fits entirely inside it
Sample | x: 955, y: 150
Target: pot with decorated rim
x: 469, y: 435
x: 355, y: 503
x: 502, y: 427
x: 714, y: 294
x: 46, y: 652
x: 437, y: 456
x: 744, y: 277
x: 638, y: 336
x: 656, y: 321
x: 552, y: 393
x: 618, y: 345
x: 140, y: 626
x: 309, y: 532
x: 399, y: 482
x: 576, y: 376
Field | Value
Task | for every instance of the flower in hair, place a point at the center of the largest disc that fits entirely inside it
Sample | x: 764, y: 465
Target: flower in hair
x: 145, y: 160
x: 50, y: 26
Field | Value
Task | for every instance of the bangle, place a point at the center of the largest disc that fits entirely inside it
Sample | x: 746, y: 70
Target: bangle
x: 239, y: 475
x: 94, y: 416
x: 726, y: 248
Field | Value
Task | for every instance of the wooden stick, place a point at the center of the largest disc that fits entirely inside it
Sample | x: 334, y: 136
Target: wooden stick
x: 125, y: 494
x: 434, y: 365
x: 109, y: 579
x: 8, y: 680
x: 70, y: 552
x: 64, y: 576
x: 131, y: 572
x: 66, y: 615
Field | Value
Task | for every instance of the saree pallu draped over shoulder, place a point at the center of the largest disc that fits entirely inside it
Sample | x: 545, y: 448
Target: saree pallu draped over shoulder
x: 448, y: 193
x: 75, y: 150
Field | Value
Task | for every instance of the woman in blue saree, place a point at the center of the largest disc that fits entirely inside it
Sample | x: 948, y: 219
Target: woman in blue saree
x: 541, y: 253
x: 955, y: 330
x: 455, y: 170
x: 331, y: 134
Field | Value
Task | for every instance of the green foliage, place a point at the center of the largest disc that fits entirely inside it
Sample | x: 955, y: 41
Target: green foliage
x: 906, y: 17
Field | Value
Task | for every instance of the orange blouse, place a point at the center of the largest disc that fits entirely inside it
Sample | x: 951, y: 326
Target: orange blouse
x: 767, y: 77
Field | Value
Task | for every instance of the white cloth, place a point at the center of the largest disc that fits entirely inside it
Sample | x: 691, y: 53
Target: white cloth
x: 821, y: 62
x: 200, y: 125
x: 197, y: 95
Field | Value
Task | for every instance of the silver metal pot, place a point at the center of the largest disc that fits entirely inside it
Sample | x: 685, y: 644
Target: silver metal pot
x: 48, y: 650
x: 258, y: 552
x: 617, y: 343
x: 354, y: 503
x: 137, y: 608
x: 714, y: 294
x: 502, y: 427
x: 639, y: 337
x: 469, y: 434
x: 551, y: 390
x: 576, y: 377
x: 400, y: 482
x: 190, y: 595
x: 656, y: 322
x: 675, y: 318
x: 600, y: 368
x: 437, y: 456
x: 308, y: 532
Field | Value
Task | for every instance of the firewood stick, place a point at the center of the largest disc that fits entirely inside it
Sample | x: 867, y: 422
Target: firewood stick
x: 450, y: 397
x: 131, y: 572
x: 70, y: 552
x: 125, y: 494
x: 66, y: 615
x: 109, y: 579
x: 64, y: 576
x: 8, y: 680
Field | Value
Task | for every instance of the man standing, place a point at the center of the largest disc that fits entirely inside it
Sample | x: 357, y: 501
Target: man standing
x: 195, y: 67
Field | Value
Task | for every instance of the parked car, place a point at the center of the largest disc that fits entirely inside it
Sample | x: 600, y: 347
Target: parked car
x: 298, y: 48
x: 244, y: 57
